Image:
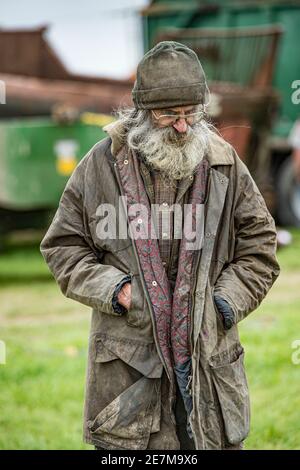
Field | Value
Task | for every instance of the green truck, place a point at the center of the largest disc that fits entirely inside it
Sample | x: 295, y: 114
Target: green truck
x: 37, y: 157
x: 231, y: 39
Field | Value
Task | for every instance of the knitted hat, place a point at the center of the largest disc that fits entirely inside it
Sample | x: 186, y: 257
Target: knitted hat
x: 169, y: 75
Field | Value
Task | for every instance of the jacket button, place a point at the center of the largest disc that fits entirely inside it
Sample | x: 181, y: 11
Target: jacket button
x: 154, y: 283
x: 125, y: 162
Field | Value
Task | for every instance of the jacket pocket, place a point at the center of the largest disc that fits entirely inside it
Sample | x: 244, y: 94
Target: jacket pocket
x: 130, y: 373
x: 229, y: 378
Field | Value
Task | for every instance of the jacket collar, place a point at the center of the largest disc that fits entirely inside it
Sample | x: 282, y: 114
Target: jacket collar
x: 221, y: 152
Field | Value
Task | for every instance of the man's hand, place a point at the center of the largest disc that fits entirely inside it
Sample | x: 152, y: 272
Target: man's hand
x: 124, y: 296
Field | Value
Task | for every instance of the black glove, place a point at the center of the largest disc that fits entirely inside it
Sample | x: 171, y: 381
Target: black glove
x: 226, y: 311
x: 118, y: 308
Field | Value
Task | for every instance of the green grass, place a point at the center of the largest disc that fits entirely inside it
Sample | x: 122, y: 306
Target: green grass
x: 267, y: 335
x: 42, y: 383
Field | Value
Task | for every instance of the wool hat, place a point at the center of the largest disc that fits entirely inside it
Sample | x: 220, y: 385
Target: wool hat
x: 169, y: 75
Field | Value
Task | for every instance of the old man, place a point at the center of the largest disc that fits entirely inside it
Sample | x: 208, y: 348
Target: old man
x: 168, y: 286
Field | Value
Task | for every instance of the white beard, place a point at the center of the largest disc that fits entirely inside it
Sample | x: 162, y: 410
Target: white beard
x: 173, y: 154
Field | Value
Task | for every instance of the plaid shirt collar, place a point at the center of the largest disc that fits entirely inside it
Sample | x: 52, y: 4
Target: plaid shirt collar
x: 183, y: 185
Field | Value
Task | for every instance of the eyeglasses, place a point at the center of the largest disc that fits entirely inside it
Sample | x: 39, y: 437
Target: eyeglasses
x: 170, y: 119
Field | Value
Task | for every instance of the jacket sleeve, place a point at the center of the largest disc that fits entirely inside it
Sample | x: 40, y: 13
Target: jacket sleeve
x: 70, y: 254
x: 245, y: 281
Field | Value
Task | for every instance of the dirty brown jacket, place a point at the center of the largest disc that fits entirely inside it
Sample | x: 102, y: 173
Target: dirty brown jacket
x: 238, y: 262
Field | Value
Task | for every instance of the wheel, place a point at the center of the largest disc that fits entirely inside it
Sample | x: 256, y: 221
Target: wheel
x: 288, y: 196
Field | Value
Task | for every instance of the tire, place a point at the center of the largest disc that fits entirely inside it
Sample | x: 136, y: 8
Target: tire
x: 288, y: 196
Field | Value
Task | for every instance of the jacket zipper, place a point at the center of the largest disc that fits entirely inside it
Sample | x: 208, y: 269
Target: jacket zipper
x: 195, y: 273
x: 145, y: 287
x: 192, y: 301
x: 189, y: 385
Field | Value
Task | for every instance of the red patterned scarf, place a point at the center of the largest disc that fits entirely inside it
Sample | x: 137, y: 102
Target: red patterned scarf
x: 172, y: 316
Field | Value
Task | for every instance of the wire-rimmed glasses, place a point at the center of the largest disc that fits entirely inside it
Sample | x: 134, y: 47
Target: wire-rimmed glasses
x: 171, y: 118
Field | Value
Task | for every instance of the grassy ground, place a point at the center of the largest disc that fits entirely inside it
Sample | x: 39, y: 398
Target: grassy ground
x: 42, y: 383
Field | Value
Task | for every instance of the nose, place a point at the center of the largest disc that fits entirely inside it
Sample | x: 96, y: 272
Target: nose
x: 180, y: 125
